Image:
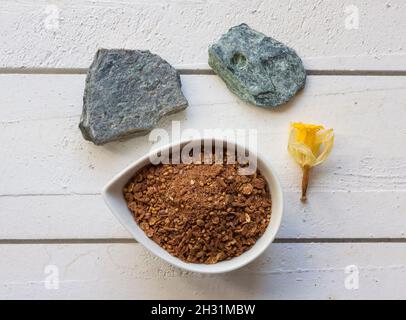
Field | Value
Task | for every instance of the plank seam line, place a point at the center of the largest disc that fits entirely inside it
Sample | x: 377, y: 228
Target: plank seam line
x: 129, y: 240
x: 17, y: 195
x: 310, y: 72
x: 72, y: 194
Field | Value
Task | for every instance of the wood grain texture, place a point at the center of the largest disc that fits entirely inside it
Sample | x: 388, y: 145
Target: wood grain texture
x: 66, y: 34
x: 127, y: 271
x: 51, y: 177
x: 326, y: 215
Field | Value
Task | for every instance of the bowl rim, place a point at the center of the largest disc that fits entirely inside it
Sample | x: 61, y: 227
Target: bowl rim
x: 222, y: 266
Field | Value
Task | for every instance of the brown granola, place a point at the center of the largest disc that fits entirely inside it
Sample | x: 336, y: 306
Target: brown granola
x: 200, y: 213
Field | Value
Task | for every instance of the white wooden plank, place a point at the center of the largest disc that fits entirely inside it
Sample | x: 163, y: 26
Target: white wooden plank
x: 51, y: 177
x: 49, y: 155
x: 66, y: 34
x: 127, y: 271
x: 326, y: 215
x: 57, y: 217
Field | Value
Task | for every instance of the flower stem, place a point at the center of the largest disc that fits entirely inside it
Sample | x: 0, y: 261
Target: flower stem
x: 305, y: 182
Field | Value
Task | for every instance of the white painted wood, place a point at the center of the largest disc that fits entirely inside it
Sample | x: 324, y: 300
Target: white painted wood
x: 326, y: 215
x: 127, y: 271
x: 66, y: 34
x: 51, y: 177
x: 49, y: 155
x: 57, y: 217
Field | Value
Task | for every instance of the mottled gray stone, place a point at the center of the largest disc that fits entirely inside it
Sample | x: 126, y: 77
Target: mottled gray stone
x: 126, y: 93
x: 257, y: 68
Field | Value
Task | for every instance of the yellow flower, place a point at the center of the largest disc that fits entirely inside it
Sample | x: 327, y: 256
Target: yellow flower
x: 309, y: 145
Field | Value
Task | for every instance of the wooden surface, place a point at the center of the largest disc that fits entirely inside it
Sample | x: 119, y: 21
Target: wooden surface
x: 181, y: 30
x: 128, y: 271
x: 51, y: 212
x: 52, y: 170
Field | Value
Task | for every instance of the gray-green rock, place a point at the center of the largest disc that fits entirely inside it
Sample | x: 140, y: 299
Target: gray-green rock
x: 126, y: 93
x: 257, y: 68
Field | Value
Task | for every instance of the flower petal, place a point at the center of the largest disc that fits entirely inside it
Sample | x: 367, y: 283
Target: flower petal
x: 300, y: 152
x: 309, y: 144
x: 307, y: 133
x: 326, y: 138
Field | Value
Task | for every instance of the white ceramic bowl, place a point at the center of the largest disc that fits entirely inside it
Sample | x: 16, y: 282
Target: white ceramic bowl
x: 113, y: 196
